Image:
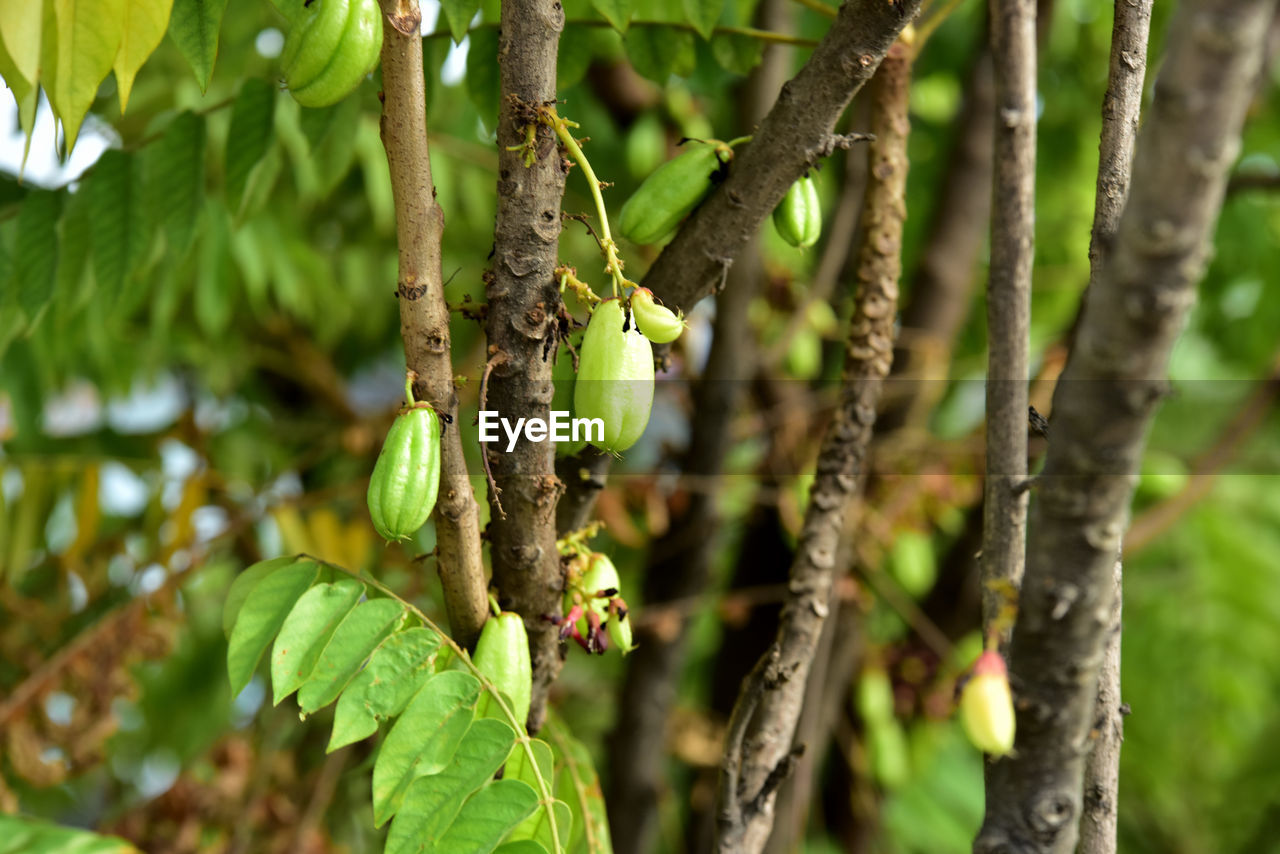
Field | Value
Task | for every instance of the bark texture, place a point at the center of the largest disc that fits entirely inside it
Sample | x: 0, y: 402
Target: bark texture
x: 759, y: 750
x: 1004, y: 520
x: 424, y: 315
x: 524, y: 301
x: 1121, y: 106
x: 1103, y: 406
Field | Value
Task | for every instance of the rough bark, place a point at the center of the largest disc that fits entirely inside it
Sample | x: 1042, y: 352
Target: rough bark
x: 759, y: 748
x: 1004, y: 523
x: 1120, y: 109
x: 424, y: 316
x: 1102, y: 408
x: 524, y: 302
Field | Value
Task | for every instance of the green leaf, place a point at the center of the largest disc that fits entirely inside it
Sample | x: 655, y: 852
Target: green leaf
x: 482, y: 75
x: 261, y: 616
x: 244, y: 584
x: 20, y: 23
x: 88, y: 36
x: 542, y: 768
x: 35, y: 253
x: 316, y: 122
x: 250, y: 136
x: 118, y: 229
x: 145, y: 22
x: 459, y: 13
x: 736, y: 53
x: 521, y: 846
x: 21, y: 835
x: 703, y: 14
x: 307, y: 631
x: 578, y: 786
x: 616, y: 12
x: 25, y: 93
x: 214, y: 299
x: 487, y: 817
x: 383, y: 689
x: 175, y: 179
x: 194, y: 26
x: 359, y: 635
x: 659, y: 52
x: 424, y: 739
x: 431, y: 803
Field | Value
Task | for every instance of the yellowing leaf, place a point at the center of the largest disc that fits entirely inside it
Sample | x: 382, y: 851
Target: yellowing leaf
x: 87, y: 39
x: 145, y: 23
x: 20, y: 31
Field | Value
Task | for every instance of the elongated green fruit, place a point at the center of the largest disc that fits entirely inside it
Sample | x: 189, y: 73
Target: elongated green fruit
x: 615, y: 378
x: 669, y: 194
x: 311, y: 44
x: 798, y: 217
x: 986, y: 706
x: 502, y: 655
x: 656, y: 322
x: 323, y: 72
x: 406, y: 478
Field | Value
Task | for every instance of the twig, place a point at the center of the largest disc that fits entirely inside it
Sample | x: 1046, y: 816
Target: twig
x: 1004, y: 527
x: 424, y: 314
x: 1102, y: 408
x: 1121, y: 106
x: 494, y: 490
x: 752, y: 766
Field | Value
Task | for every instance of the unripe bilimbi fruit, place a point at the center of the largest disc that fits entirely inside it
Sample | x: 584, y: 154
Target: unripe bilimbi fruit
x: 986, y: 706
x: 406, y: 477
x: 615, y: 378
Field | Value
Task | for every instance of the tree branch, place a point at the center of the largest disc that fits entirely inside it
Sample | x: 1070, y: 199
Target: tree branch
x: 1004, y: 514
x: 424, y: 315
x: 1121, y: 106
x: 750, y: 774
x: 1102, y: 408
x: 790, y: 140
x: 524, y: 302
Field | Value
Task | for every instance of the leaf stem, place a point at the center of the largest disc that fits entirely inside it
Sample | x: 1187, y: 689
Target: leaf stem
x: 613, y: 265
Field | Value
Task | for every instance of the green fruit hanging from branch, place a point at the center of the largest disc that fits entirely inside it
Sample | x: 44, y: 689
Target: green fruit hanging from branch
x: 615, y: 377
x: 332, y: 49
x: 673, y: 190
x: 406, y: 477
x: 502, y: 655
x: 798, y: 217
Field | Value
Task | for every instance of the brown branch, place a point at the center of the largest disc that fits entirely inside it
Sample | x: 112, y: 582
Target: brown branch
x: 745, y: 813
x: 1004, y: 515
x: 424, y: 315
x: 524, y: 305
x: 1103, y: 405
x: 790, y: 140
x: 1121, y: 106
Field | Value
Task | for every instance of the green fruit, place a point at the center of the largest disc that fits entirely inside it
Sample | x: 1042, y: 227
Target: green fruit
x: 656, y: 322
x: 798, y: 217
x: 406, y: 478
x: 875, y: 696
x: 620, y: 633
x: 502, y: 655
x: 615, y: 378
x: 890, y: 755
x: 668, y: 195
x: 913, y: 563
x: 986, y: 706
x: 330, y: 52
